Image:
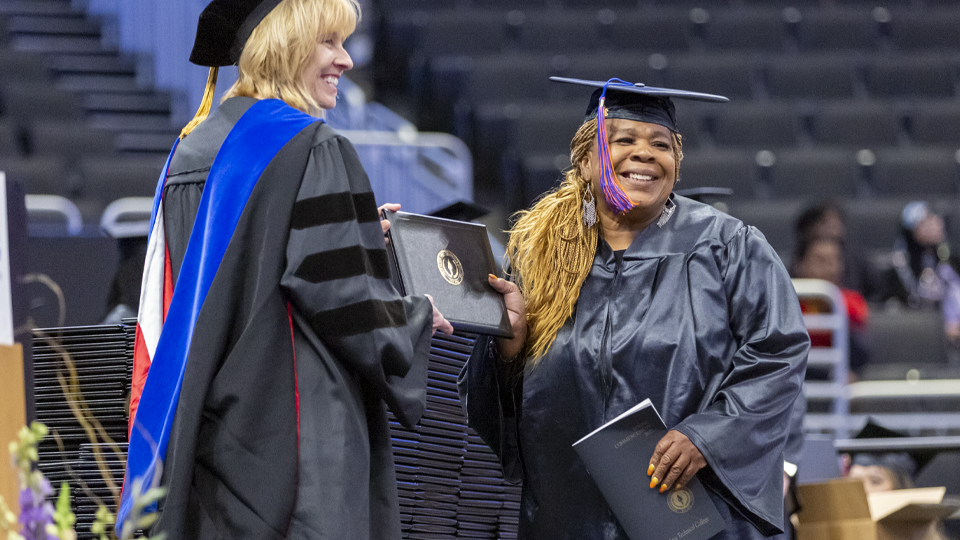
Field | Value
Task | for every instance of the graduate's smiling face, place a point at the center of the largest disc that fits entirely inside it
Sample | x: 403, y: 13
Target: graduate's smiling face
x: 322, y: 73
x: 642, y: 157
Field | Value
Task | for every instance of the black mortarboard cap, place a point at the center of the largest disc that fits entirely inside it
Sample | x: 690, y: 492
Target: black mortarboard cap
x: 460, y: 211
x: 636, y: 101
x: 892, y: 456
x: 223, y: 29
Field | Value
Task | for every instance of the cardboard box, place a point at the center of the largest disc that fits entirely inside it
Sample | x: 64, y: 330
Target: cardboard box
x: 841, y: 510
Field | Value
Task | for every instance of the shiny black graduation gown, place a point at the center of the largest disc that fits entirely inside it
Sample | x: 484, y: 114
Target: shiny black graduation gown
x: 701, y: 317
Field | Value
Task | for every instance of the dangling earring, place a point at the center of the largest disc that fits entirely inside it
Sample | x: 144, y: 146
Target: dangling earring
x: 589, y: 209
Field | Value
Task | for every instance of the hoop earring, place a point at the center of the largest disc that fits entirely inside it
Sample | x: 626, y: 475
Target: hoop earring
x: 589, y: 209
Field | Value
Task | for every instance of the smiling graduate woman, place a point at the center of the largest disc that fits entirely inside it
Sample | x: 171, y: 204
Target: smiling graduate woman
x: 270, y: 341
x: 620, y: 291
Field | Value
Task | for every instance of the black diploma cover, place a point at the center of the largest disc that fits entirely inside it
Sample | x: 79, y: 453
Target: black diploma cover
x: 617, y: 455
x: 450, y: 261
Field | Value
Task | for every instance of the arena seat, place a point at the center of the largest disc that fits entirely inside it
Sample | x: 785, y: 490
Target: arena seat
x: 120, y: 176
x: 140, y: 103
x: 691, y: 125
x: 559, y: 31
x: 812, y: 76
x: 547, y: 128
x: 104, y: 64
x: 755, y: 125
x: 814, y: 173
x: 775, y: 221
x: 746, y: 30
x: 910, y: 76
x: 730, y: 75
x: 105, y: 179
x: 662, y: 30
x: 129, y: 122
x: 490, y: 3
x: 875, y: 3
x: 504, y: 133
x: 925, y: 29
x: 66, y: 24
x: 458, y: 32
x: 539, y: 173
x: 873, y: 224
x: 36, y: 7
x: 40, y: 175
x: 902, y: 172
x: 156, y: 144
x: 905, y: 337
x: 734, y: 169
x: 602, y: 3
x: 9, y: 139
x: 24, y: 101
x: 624, y: 65
x: 68, y: 139
x: 856, y: 123
x: 21, y: 66
x: 936, y: 122
x: 838, y: 29
x: 99, y: 83
x: 485, y: 78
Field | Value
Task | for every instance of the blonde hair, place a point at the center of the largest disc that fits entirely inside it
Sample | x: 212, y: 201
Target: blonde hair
x: 550, y: 251
x: 279, y: 48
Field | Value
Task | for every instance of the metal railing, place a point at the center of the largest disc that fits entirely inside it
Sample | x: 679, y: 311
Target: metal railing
x: 835, y: 358
x: 421, y: 171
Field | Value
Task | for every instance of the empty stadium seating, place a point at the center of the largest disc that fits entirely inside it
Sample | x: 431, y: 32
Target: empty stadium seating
x: 73, y: 112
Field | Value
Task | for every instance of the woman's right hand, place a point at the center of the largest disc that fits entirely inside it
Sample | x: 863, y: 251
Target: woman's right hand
x: 517, y: 309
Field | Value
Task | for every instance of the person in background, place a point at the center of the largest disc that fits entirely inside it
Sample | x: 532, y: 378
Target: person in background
x: 822, y: 258
x: 828, y: 220
x: 924, y: 273
x: 270, y: 341
x: 624, y: 291
x: 884, y: 471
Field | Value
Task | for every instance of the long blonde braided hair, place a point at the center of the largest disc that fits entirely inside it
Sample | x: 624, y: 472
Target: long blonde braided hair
x: 550, y: 251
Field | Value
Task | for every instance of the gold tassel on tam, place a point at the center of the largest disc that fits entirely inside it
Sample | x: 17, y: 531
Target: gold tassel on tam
x: 205, y: 104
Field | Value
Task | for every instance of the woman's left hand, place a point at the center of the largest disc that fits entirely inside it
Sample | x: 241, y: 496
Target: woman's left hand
x: 675, y: 460
x: 385, y: 223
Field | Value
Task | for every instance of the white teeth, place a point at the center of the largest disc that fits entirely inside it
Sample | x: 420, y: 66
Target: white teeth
x: 635, y: 176
x: 331, y: 79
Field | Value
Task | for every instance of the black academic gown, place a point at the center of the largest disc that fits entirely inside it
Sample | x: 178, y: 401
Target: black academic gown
x: 281, y: 428
x: 701, y: 318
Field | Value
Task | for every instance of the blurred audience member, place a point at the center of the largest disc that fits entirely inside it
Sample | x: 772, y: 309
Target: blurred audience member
x: 885, y: 471
x: 924, y: 273
x: 827, y: 220
x: 822, y: 258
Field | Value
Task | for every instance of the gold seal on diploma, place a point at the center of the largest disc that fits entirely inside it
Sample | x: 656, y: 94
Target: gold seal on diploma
x: 450, y: 267
x: 680, y: 500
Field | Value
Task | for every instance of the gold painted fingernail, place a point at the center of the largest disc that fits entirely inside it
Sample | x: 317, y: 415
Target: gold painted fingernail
x: 654, y: 482
x: 650, y: 469
x: 677, y: 487
x: 491, y: 276
x: 663, y: 488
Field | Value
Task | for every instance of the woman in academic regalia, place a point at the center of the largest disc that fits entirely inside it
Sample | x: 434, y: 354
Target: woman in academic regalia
x: 270, y: 341
x: 621, y: 291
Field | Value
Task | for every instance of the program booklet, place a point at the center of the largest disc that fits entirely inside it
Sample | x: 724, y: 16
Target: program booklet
x: 449, y: 260
x: 617, y: 455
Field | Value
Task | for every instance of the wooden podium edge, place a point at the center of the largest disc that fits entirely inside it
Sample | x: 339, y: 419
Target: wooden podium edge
x: 13, y: 416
